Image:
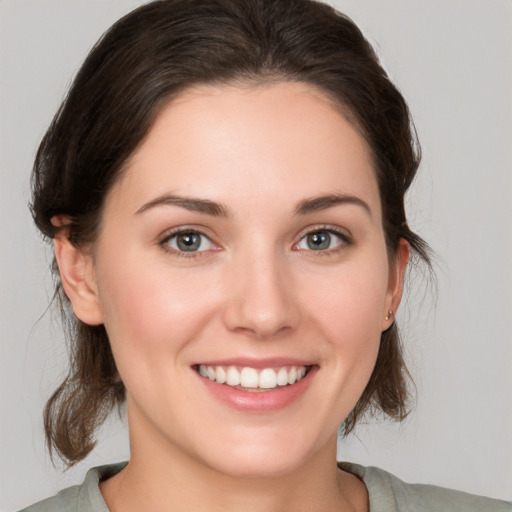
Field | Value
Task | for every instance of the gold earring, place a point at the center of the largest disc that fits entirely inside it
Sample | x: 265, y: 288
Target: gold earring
x: 389, y: 315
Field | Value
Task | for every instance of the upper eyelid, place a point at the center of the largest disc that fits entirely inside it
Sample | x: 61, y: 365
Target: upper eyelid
x: 169, y: 233
x: 343, y: 232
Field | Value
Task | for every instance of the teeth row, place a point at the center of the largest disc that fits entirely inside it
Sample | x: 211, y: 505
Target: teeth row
x: 266, y: 378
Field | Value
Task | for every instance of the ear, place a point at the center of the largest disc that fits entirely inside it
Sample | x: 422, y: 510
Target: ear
x: 78, y: 279
x: 396, y: 282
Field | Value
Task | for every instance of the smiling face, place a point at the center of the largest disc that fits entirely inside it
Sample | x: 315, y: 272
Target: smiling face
x: 244, y: 241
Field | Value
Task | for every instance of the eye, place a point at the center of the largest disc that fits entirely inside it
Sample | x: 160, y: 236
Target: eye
x: 188, y: 241
x: 321, y: 240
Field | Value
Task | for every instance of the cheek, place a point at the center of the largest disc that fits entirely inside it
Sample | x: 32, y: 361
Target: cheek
x: 151, y: 315
x: 347, y: 307
x: 352, y: 299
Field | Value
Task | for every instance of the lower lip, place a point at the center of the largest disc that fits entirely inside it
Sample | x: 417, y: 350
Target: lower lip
x: 259, y: 401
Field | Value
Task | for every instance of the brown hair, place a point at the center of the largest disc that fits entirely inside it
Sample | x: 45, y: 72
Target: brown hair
x: 143, y: 61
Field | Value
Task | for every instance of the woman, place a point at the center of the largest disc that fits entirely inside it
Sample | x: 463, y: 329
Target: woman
x: 224, y: 185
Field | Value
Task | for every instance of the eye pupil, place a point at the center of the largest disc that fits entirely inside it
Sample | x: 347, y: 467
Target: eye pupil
x: 188, y: 241
x: 319, y: 241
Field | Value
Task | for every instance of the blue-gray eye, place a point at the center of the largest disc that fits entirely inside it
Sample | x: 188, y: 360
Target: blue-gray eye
x: 189, y: 241
x: 321, y: 240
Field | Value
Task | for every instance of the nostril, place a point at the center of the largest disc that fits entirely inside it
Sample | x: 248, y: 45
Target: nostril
x: 261, y: 325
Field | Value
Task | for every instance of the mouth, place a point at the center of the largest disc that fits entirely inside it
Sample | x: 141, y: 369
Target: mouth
x: 258, y: 386
x: 250, y: 379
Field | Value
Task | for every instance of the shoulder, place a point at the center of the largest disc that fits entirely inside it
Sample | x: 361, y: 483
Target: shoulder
x: 80, y: 498
x: 64, y: 501
x: 390, y: 494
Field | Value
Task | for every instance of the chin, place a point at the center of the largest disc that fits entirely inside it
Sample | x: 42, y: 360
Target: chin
x: 261, y: 458
x: 260, y: 465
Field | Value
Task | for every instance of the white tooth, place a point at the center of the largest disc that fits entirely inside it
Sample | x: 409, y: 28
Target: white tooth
x: 302, y: 372
x: 267, y: 379
x: 232, y: 376
x: 203, y: 371
x: 292, y: 375
x: 282, y: 377
x: 211, y: 372
x: 220, y: 374
x: 249, y: 378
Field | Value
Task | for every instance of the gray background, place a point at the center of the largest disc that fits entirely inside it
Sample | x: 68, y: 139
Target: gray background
x: 452, y: 59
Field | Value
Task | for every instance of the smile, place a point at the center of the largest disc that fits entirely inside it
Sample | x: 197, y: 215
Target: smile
x: 252, y: 378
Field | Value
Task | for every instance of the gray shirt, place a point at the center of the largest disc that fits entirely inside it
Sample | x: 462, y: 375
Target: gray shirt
x: 387, y: 494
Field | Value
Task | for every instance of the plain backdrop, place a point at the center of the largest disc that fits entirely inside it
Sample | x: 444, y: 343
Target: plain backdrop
x: 452, y: 59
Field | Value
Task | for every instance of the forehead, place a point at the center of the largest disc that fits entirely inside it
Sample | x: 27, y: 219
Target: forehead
x: 250, y: 144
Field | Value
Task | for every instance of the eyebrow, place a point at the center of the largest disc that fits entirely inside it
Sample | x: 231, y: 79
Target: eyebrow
x: 319, y: 203
x: 208, y: 207
x: 189, y: 203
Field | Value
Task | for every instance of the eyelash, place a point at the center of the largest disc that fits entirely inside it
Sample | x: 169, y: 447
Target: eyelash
x: 345, y: 242
x: 183, y: 254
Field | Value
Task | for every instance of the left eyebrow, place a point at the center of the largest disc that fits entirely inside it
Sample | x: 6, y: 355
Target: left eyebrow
x: 319, y: 203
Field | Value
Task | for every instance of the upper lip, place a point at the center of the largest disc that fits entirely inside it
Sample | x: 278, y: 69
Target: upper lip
x: 271, y: 362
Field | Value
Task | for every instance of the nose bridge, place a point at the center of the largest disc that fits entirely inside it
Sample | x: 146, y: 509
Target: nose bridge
x: 261, y: 300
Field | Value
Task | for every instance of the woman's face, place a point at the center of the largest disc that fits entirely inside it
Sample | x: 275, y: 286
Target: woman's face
x: 244, y: 241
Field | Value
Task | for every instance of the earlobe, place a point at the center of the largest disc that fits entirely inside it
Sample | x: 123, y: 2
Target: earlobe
x: 396, y: 281
x: 78, y: 279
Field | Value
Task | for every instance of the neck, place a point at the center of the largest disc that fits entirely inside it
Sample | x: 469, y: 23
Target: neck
x: 162, y: 476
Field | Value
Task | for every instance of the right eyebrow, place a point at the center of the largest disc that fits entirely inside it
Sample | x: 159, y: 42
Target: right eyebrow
x: 193, y: 204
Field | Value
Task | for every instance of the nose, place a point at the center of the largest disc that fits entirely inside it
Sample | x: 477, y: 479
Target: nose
x: 262, y: 301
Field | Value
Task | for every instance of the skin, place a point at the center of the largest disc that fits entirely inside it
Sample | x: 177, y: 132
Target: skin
x: 256, y: 290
